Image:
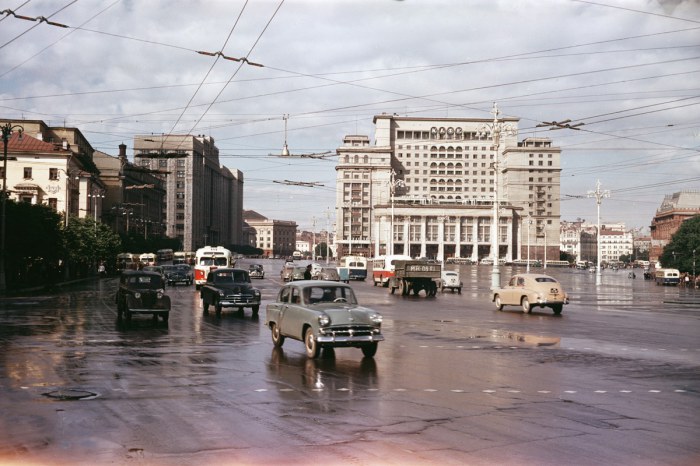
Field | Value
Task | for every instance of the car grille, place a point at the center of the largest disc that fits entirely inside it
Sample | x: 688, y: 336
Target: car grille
x: 148, y: 299
x: 349, y: 331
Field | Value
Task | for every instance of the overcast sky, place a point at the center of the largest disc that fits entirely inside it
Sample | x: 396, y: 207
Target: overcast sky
x: 629, y: 70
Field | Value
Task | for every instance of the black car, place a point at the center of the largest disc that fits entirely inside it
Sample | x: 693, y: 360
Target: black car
x: 142, y: 292
x: 229, y: 287
x: 180, y: 273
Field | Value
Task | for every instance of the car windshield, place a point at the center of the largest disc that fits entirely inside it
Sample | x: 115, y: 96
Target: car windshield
x: 146, y: 281
x: 329, y: 294
x: 182, y: 267
x: 230, y: 277
x: 545, y: 280
x: 256, y: 267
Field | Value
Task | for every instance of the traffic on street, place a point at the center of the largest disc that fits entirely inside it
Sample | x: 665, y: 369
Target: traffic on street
x: 614, y: 378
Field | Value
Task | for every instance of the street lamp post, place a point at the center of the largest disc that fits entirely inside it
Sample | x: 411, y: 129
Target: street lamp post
x: 694, y: 269
x: 599, y: 195
x: 6, y: 133
x: 393, y: 184
x: 495, y: 129
x: 95, y: 195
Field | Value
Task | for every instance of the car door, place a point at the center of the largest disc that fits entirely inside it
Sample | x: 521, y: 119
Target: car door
x: 511, y: 290
x: 294, y: 314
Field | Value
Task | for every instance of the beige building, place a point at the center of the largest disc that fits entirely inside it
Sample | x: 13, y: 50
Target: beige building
x: 274, y: 237
x: 204, y: 200
x: 427, y: 188
x: 53, y: 166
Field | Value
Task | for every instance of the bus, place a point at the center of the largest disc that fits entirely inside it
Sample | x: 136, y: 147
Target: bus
x: 127, y: 261
x: 356, y: 267
x: 383, y: 268
x: 667, y: 277
x: 164, y: 255
x: 147, y: 258
x: 210, y: 258
x: 183, y: 257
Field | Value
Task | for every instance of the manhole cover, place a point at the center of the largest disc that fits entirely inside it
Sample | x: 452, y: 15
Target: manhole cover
x: 70, y: 394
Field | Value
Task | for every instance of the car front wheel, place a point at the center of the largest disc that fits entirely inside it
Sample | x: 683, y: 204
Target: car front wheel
x: 499, y: 303
x: 312, y: 347
x: 369, y: 350
x: 525, y: 303
x: 277, y: 337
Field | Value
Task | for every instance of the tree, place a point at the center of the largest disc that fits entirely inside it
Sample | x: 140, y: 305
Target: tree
x: 32, y: 244
x: 678, y: 253
x: 86, y: 243
x: 565, y: 256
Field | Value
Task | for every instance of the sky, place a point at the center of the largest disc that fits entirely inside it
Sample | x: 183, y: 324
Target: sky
x: 629, y: 70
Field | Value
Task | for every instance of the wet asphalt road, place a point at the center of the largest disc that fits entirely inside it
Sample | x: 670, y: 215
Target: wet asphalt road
x: 614, y: 380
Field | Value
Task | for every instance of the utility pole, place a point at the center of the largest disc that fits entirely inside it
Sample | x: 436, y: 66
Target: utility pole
x: 495, y: 130
x: 328, y: 233
x: 599, y: 195
x: 313, y: 232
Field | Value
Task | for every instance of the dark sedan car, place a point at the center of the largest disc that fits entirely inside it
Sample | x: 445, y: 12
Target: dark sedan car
x: 229, y: 288
x: 256, y: 271
x: 180, y: 273
x: 142, y: 292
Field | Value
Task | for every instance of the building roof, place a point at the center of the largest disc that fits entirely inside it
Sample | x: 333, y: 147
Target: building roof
x: 31, y: 144
x: 253, y: 215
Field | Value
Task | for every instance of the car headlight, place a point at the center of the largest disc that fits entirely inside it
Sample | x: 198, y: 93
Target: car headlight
x: 137, y: 295
x: 376, y: 319
x: 324, y: 320
x: 160, y: 294
x: 256, y: 293
x: 221, y: 293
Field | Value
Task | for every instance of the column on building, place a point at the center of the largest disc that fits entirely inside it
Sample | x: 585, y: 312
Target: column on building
x: 406, y: 232
x: 509, y: 239
x: 441, y: 238
x: 475, y: 239
x: 423, y: 235
x: 458, y: 235
x: 378, y: 240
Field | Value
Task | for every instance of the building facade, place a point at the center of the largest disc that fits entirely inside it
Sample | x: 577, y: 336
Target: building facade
x: 204, y: 200
x: 428, y: 186
x: 53, y: 166
x: 274, y: 237
x: 674, y: 210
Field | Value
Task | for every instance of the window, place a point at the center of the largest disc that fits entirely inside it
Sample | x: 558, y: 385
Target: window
x: 163, y: 163
x: 180, y: 185
x: 181, y: 163
x: 53, y: 173
x: 180, y: 195
x: 180, y: 173
x: 27, y: 173
x: 53, y: 203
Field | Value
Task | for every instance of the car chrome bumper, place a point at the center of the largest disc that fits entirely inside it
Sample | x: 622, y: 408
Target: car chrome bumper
x: 342, y: 339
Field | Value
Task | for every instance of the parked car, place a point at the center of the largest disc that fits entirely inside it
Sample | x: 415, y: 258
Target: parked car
x: 450, y: 280
x: 229, y: 287
x: 142, y: 292
x: 328, y: 273
x: 529, y: 290
x: 180, y: 273
x: 256, y: 271
x: 323, y: 314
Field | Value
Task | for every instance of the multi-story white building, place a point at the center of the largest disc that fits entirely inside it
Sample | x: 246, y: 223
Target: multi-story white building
x: 427, y: 188
x: 615, y: 243
x: 204, y: 200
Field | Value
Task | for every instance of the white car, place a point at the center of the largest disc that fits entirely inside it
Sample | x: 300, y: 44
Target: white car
x: 450, y: 279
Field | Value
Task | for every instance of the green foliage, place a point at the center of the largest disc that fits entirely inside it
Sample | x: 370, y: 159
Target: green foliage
x: 565, y: 256
x: 678, y: 253
x: 86, y: 243
x: 32, y: 241
x: 245, y: 249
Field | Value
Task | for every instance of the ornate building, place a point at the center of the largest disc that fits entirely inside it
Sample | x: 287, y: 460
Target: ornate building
x: 427, y: 188
x: 675, y: 209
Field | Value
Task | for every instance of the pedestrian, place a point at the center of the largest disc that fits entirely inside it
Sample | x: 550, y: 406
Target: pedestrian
x: 307, y: 272
x: 102, y: 270
x: 687, y: 280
